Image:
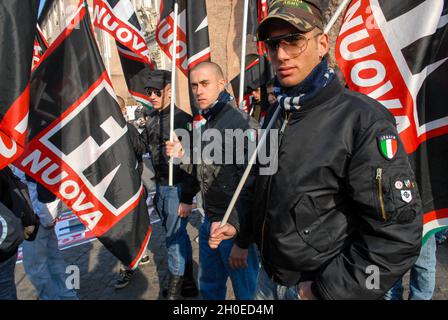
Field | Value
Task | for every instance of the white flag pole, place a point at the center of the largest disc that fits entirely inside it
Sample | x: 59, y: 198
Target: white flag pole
x: 263, y: 138
x: 336, y: 16
x: 243, y: 54
x: 173, y: 87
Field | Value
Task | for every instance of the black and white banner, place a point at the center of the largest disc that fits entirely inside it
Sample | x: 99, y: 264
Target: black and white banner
x: 78, y: 145
x: 192, y: 35
x: 17, y: 28
x: 397, y: 52
x: 118, y: 18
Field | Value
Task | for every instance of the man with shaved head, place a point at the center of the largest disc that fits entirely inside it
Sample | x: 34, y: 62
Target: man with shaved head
x: 217, y: 182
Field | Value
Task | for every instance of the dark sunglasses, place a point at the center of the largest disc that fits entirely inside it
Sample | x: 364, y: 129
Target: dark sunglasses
x: 157, y: 92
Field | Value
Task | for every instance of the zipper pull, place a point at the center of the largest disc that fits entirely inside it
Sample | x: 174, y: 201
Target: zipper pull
x: 379, y: 173
x: 285, y: 123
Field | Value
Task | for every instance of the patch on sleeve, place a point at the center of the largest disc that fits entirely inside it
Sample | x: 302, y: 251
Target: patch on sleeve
x: 388, y: 145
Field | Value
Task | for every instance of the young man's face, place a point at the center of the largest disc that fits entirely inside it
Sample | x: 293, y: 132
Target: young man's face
x: 271, y: 96
x: 160, y: 99
x: 293, y: 69
x: 206, y: 86
x: 257, y: 94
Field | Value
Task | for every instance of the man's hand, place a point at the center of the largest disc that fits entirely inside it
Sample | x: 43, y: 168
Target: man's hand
x: 218, y: 234
x: 238, y: 257
x: 184, y: 210
x: 304, y: 291
x: 174, y: 149
x: 28, y: 231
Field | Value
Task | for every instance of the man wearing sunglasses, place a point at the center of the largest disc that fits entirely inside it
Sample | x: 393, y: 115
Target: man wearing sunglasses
x: 167, y: 199
x: 341, y: 217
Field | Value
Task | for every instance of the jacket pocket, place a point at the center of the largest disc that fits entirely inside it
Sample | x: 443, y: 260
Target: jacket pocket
x: 396, y: 194
x: 309, y: 226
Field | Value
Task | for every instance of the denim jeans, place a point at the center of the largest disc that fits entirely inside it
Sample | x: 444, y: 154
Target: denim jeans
x: 45, y: 266
x: 214, y: 269
x: 269, y: 290
x: 7, y: 282
x: 441, y: 236
x: 177, y: 240
x: 423, y: 276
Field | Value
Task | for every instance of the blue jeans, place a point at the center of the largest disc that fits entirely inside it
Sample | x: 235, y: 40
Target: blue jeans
x: 46, y: 268
x: 214, y: 269
x: 177, y: 240
x: 269, y: 290
x: 423, y: 276
x: 7, y: 282
x: 441, y: 236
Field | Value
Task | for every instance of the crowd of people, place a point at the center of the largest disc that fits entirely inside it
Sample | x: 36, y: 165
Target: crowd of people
x: 332, y: 213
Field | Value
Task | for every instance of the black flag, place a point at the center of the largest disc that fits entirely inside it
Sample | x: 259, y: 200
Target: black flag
x: 192, y: 35
x: 118, y: 18
x: 397, y: 52
x: 78, y: 145
x: 17, y: 25
x: 258, y: 73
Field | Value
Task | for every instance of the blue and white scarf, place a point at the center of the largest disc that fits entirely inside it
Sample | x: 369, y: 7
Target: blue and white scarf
x: 293, y: 98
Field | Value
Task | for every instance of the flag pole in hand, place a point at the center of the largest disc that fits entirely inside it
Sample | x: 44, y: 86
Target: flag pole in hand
x: 271, y: 122
x: 243, y: 54
x: 173, y: 87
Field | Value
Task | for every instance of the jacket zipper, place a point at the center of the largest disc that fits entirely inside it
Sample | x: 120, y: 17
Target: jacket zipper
x: 379, y: 178
x: 282, y: 131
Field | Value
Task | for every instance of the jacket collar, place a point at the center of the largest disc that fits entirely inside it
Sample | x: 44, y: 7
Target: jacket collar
x: 333, y: 89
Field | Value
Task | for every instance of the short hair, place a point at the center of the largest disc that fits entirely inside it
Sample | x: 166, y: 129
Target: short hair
x: 216, y: 68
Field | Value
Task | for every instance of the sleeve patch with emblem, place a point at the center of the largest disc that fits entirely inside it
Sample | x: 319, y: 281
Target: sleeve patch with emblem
x: 388, y: 145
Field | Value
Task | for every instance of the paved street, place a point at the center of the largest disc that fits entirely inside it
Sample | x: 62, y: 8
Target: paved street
x: 99, y: 270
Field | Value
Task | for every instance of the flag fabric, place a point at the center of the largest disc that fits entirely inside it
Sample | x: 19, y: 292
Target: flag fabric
x: 118, y: 17
x: 136, y: 73
x: 40, y: 46
x: 397, y: 52
x: 78, y: 145
x: 17, y: 25
x: 258, y: 73
x: 258, y: 10
x: 192, y: 32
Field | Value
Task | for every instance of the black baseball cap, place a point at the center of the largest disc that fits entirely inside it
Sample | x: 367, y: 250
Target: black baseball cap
x: 158, y: 79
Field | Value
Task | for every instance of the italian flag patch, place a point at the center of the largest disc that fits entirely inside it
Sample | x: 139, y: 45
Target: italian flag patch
x: 199, y: 121
x: 388, y: 146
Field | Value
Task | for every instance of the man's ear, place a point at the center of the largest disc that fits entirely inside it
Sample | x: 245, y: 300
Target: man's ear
x: 323, y: 45
x: 168, y: 91
x: 222, y: 84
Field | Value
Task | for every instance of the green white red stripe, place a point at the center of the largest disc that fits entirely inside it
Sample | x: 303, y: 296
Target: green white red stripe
x: 199, y: 121
x: 141, y: 98
x: 433, y: 222
x: 388, y: 147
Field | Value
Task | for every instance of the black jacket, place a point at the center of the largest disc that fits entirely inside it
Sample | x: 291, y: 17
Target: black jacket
x: 138, y: 145
x: 336, y: 206
x: 218, y: 181
x: 14, y: 196
x: 155, y: 135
